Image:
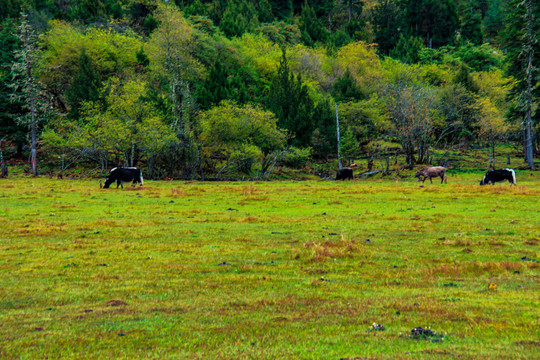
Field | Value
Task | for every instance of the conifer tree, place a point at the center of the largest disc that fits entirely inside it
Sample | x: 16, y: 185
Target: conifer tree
x: 289, y: 100
x: 520, y: 41
x: 471, y: 28
x: 386, y: 21
x: 84, y: 86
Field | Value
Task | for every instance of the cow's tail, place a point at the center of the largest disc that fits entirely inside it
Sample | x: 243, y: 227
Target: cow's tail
x: 141, y: 178
x: 513, y: 176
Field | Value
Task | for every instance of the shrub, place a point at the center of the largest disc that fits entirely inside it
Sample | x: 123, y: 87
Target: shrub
x: 296, y: 158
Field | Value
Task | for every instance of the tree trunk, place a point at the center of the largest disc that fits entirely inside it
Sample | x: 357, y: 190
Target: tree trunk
x: 338, y: 140
x: 33, y: 153
x: 4, y: 172
x: 529, y: 154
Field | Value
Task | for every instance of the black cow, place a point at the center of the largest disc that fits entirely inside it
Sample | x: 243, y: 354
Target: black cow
x: 345, y: 173
x: 121, y: 175
x: 494, y: 176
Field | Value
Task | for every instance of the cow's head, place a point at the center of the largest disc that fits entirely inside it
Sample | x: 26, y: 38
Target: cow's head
x: 418, y: 174
x: 110, y: 179
x: 108, y: 182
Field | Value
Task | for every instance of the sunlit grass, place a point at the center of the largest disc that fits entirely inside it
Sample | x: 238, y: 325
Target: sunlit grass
x: 269, y: 270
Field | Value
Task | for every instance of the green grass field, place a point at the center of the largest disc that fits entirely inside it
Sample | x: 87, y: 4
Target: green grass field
x: 269, y: 270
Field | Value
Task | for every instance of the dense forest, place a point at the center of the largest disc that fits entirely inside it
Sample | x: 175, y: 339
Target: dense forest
x: 195, y: 89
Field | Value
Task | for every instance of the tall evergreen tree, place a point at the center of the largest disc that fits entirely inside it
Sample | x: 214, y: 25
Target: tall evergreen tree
x: 407, y: 49
x: 386, y: 21
x: 345, y: 88
x: 523, y: 52
x: 436, y: 21
x: 289, y: 100
x: 84, y: 86
x: 239, y: 17
x: 323, y: 139
x: 215, y: 88
x: 471, y: 27
x: 311, y: 28
x: 282, y: 9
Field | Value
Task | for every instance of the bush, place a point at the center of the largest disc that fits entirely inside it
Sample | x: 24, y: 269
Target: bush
x: 296, y: 158
x: 244, y: 157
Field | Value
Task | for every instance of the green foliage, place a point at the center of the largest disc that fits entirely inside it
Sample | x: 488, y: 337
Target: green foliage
x: 386, y: 22
x: 280, y: 33
x: 244, y: 157
x: 349, y: 143
x: 229, y: 125
x: 471, y: 28
x: 407, y: 50
x: 282, y: 9
x: 479, y: 58
x: 311, y: 28
x: 459, y: 112
x: 240, y: 16
x: 366, y: 119
x: 324, y: 137
x: 435, y: 21
x: 193, y: 54
x: 85, y: 85
x: 296, y: 158
x: 345, y: 88
x: 106, y: 53
x: 9, y: 110
x: 229, y: 78
x: 289, y: 100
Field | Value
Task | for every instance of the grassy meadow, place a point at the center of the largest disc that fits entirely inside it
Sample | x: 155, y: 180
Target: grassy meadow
x: 270, y: 270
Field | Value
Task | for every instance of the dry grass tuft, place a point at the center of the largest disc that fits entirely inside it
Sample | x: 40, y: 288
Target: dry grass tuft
x: 115, y: 302
x: 322, y: 251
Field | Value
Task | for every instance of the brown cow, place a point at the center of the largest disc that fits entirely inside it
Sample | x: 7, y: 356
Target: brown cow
x: 431, y: 172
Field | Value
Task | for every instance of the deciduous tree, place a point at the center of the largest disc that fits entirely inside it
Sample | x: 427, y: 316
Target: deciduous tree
x: 26, y: 81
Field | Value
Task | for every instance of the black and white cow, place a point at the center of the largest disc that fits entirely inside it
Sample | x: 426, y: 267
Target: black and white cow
x: 121, y: 175
x: 494, y: 176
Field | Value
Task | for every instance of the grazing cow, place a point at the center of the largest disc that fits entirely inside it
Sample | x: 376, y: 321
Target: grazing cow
x: 494, y: 176
x: 431, y: 172
x: 345, y: 173
x: 121, y: 175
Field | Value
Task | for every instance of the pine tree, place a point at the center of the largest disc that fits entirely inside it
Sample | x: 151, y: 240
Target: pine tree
x: 386, y: 21
x: 323, y: 139
x: 407, y: 49
x: 436, y: 21
x: 345, y: 88
x: 216, y: 87
x: 471, y: 29
x: 84, y: 86
x: 289, y: 100
x: 523, y: 49
x: 311, y: 28
x: 282, y: 9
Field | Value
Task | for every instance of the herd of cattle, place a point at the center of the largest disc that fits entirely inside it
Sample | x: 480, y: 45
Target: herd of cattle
x: 134, y: 175
x: 491, y: 177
